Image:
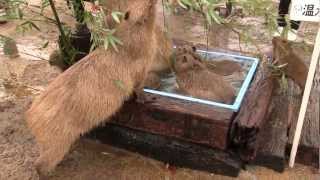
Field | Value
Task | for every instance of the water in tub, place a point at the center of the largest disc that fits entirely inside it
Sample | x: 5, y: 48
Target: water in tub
x: 168, y: 81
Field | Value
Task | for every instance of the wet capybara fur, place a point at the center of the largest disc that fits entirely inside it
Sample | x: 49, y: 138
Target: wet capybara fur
x: 223, y: 66
x: 93, y: 89
x: 194, y: 79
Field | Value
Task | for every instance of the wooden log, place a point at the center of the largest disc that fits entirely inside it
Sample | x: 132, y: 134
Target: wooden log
x: 249, y: 120
x: 272, y: 139
x: 170, y: 150
x: 170, y: 117
x: 310, y: 136
x: 297, y: 56
x: 306, y: 155
x: 285, y: 106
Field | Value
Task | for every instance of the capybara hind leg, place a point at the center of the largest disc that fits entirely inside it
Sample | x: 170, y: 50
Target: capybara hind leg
x: 53, y: 154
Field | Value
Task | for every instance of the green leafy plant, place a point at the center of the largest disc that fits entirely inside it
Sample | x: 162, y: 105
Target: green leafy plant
x: 100, y: 34
x: 278, y: 71
x: 208, y: 9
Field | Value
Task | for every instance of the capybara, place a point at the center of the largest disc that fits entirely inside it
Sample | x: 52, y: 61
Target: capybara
x: 286, y: 54
x: 223, y: 66
x: 163, y: 59
x: 93, y: 89
x: 196, y: 80
x: 164, y: 52
x: 163, y: 42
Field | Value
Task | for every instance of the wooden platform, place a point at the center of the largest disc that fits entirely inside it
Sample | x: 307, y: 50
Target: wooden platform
x: 173, y: 118
x: 170, y: 150
x: 199, y: 136
x: 211, y: 139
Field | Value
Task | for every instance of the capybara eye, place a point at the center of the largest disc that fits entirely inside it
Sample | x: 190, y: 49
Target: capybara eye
x: 194, y: 49
x: 127, y: 15
x: 184, y: 60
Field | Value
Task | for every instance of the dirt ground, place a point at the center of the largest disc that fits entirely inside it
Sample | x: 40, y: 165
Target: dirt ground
x: 21, y: 79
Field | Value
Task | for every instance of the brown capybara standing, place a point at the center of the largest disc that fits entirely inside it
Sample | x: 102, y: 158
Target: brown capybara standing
x: 164, y: 51
x: 162, y: 62
x: 93, y: 89
x: 196, y: 80
x: 289, y: 54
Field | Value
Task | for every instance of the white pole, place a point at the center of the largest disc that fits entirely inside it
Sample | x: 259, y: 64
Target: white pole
x: 305, y: 98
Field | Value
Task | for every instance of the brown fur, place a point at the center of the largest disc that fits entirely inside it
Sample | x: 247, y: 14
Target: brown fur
x: 164, y: 46
x: 284, y: 53
x: 196, y: 80
x: 164, y: 52
x: 93, y: 89
x: 162, y: 62
x: 224, y: 67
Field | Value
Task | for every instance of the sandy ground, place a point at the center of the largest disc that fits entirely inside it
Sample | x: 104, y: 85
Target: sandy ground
x: 21, y: 79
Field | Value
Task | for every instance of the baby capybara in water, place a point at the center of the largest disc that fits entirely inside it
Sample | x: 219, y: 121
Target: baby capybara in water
x: 196, y: 80
x: 93, y: 89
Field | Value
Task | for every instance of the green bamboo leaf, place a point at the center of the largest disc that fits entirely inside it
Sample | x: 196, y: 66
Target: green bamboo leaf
x: 208, y: 17
x: 33, y: 25
x: 118, y: 41
x: 284, y: 82
x: 120, y: 84
x: 45, y: 45
x: 282, y: 65
x: 106, y: 43
x: 215, y: 17
x: 181, y: 3
x: 113, y: 44
x: 116, y: 16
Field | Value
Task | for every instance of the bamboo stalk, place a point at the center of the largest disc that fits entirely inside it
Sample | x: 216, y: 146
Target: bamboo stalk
x: 59, y: 24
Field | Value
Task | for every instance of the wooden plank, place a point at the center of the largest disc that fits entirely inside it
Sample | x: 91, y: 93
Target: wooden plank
x: 272, y: 139
x: 310, y: 136
x: 170, y: 150
x: 173, y: 118
x: 248, y: 122
x: 306, y: 155
x: 210, y: 113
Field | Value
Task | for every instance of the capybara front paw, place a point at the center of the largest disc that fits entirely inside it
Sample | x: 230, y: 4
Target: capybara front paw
x: 42, y: 169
